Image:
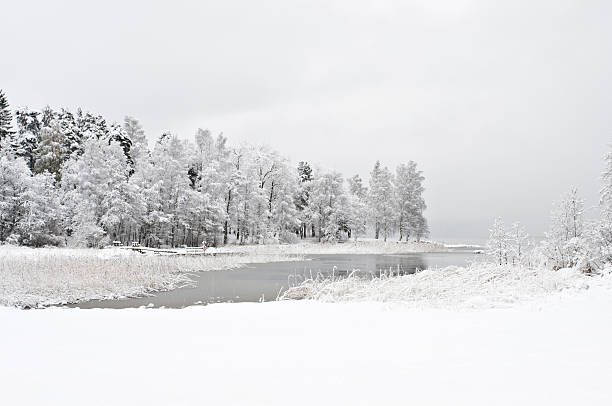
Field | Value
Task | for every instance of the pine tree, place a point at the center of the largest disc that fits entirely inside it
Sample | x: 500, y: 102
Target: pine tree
x: 356, y: 187
x: 302, y: 199
x: 73, y: 138
x: 5, y: 117
x: 117, y: 134
x: 50, y: 152
x: 135, y: 132
x: 25, y: 141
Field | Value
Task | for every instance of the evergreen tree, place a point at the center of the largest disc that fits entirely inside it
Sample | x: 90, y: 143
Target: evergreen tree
x: 302, y: 199
x: 117, y: 134
x: 5, y: 117
x: 356, y: 187
x: 25, y: 141
x: 50, y: 152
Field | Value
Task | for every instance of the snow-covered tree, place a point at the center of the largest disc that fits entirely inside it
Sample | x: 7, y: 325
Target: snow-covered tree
x: 14, y: 182
x: 42, y: 222
x: 135, y: 133
x: 381, y: 200
x: 170, y: 172
x: 5, y: 117
x: 519, y: 243
x: 498, y: 245
x: 96, y: 192
x: 356, y: 187
x: 302, y: 200
x: 410, y: 202
x: 50, y: 150
x: 117, y: 134
x: 25, y: 140
x: 565, y: 245
x: 327, y: 204
x: 606, y: 189
x: 602, y: 230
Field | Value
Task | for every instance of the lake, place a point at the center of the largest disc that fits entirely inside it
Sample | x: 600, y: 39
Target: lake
x: 263, y: 282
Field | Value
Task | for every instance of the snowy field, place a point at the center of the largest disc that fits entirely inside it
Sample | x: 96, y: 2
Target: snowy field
x: 43, y: 276
x: 311, y: 353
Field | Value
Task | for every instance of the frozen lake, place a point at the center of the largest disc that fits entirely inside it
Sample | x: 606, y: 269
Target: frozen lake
x: 257, y: 282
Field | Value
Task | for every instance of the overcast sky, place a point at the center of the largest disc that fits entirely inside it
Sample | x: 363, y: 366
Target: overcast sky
x: 504, y: 105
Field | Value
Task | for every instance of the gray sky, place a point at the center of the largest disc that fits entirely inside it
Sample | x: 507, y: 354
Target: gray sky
x: 503, y: 104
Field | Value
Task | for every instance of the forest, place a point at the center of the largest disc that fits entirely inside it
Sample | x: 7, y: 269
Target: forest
x: 73, y: 178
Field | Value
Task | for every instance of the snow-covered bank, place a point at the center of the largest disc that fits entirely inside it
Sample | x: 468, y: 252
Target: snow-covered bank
x: 365, y: 246
x: 39, y: 277
x: 477, y: 285
x: 309, y: 353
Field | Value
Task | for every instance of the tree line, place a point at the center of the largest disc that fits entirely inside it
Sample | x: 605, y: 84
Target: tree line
x: 73, y: 178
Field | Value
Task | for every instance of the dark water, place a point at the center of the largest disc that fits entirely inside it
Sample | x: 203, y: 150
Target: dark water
x: 258, y: 282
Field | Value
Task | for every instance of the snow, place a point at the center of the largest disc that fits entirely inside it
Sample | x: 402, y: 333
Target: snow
x: 311, y: 353
x: 43, y: 276
x: 477, y: 285
x: 361, y: 246
x: 463, y: 246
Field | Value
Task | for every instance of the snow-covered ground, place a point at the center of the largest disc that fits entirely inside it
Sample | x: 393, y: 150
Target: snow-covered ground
x: 311, y: 353
x: 37, y: 277
x: 361, y: 246
x: 478, y: 285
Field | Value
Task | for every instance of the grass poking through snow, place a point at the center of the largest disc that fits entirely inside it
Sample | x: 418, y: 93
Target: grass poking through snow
x: 40, y: 277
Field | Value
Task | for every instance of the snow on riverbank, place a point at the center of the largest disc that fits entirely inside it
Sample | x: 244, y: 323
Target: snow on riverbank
x: 477, y: 285
x: 310, y: 353
x: 43, y: 276
x: 368, y: 246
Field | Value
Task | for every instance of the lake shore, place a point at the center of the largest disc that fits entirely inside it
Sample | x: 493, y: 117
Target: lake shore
x: 364, y: 246
x: 48, y: 276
